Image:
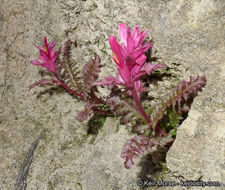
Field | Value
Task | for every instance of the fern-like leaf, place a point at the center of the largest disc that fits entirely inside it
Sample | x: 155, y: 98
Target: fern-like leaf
x: 136, y: 146
x: 69, y: 70
x: 123, y: 108
x: 181, y: 92
x: 44, y: 82
x: 83, y: 115
x: 139, y: 145
x: 90, y: 74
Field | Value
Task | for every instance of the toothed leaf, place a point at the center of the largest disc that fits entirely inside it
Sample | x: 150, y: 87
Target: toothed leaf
x: 123, y: 108
x: 139, y: 145
x: 44, y: 82
x: 136, y: 146
x: 83, y: 115
x: 181, y: 92
x: 90, y: 73
x: 69, y: 69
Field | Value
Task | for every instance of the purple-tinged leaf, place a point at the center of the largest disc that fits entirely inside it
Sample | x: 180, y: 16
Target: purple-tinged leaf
x: 45, y: 82
x: 92, y: 108
x: 90, y: 73
x: 69, y: 69
x: 139, y: 145
x: 148, y: 68
x: 83, y: 115
x: 67, y: 50
x: 136, y: 146
x: 181, y: 92
x: 109, y: 81
x: 123, y: 109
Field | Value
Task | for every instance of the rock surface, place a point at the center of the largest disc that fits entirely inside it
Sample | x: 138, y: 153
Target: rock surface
x: 188, y: 35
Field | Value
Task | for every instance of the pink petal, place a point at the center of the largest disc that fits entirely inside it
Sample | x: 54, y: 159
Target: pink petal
x: 137, y: 41
x: 130, y: 62
x: 43, y: 53
x: 124, y: 73
x: 135, y: 70
x: 123, y: 33
x: 39, y: 48
x: 143, y: 36
x: 52, y: 67
x: 46, y: 65
x: 136, y: 32
x: 44, y: 58
x: 137, y: 53
x: 119, y: 80
x: 146, y: 46
x: 130, y: 43
x: 141, y: 59
x: 34, y: 62
x: 52, y: 45
x: 137, y: 85
x: 45, y: 42
x: 52, y: 52
x: 117, y: 50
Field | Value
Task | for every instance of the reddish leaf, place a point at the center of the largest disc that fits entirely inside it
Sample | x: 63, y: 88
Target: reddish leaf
x: 148, y: 68
x: 83, y: 115
x: 45, y: 82
x: 139, y: 145
x: 69, y: 70
x: 136, y: 146
x: 90, y: 73
x: 183, y: 90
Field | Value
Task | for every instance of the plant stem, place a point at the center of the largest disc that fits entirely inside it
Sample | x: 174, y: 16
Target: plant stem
x: 68, y: 88
x: 142, y: 111
x: 160, y: 131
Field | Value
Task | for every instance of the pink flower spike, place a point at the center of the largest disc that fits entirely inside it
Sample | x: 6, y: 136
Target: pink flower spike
x: 129, y: 55
x: 130, y: 58
x: 48, y: 56
x: 132, y: 40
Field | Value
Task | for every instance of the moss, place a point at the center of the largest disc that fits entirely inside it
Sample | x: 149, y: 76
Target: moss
x: 163, y: 171
x: 95, y: 124
x: 117, y: 127
x: 171, y: 121
x: 79, y: 185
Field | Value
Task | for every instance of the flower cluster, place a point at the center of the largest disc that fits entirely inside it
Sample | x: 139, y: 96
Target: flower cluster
x: 47, y: 56
x: 130, y: 59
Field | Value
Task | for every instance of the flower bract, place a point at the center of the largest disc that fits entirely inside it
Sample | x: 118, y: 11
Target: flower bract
x: 48, y: 56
